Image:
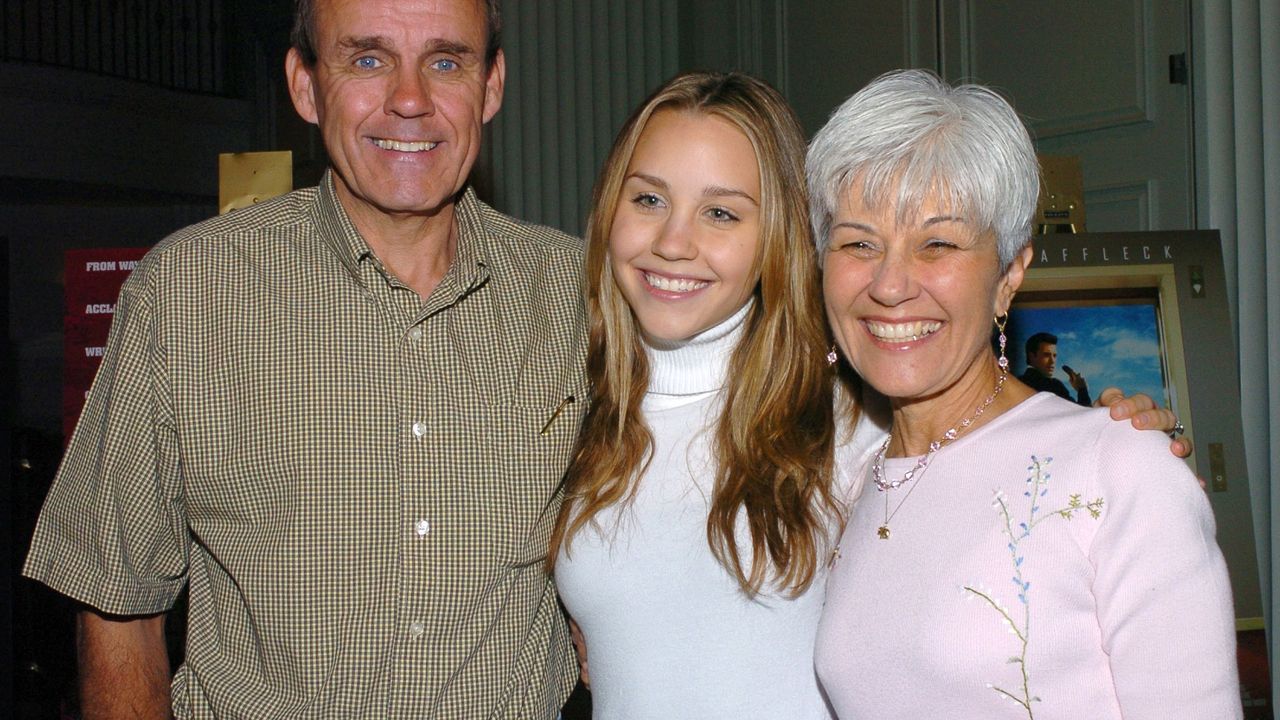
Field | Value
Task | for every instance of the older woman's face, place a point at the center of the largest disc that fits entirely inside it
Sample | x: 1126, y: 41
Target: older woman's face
x: 911, y: 303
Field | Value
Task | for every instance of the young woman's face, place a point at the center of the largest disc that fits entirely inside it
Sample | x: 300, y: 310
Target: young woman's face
x: 687, y: 227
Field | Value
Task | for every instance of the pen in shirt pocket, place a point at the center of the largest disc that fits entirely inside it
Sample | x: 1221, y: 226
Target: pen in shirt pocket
x: 559, y: 409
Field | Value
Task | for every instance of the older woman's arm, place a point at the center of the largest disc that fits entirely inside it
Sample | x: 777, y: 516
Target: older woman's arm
x: 1163, y: 598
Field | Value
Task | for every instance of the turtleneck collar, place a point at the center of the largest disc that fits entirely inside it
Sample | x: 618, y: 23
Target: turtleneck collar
x: 698, y: 365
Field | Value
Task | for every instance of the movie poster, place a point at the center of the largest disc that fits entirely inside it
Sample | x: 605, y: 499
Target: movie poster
x: 93, y: 278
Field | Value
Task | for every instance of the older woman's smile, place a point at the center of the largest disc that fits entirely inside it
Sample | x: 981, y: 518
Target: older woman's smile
x: 894, y: 332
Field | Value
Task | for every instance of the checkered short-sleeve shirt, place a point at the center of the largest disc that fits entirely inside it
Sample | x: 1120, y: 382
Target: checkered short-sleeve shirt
x: 357, y: 485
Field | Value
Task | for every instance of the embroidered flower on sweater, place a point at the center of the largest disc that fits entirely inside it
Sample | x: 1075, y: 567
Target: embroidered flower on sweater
x: 1016, y: 531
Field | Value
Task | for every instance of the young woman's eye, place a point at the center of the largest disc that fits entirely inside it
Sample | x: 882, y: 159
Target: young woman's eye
x: 647, y: 200
x: 719, y: 214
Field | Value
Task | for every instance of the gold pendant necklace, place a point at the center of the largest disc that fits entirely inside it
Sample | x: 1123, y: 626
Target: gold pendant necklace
x: 918, y: 470
x: 883, y: 531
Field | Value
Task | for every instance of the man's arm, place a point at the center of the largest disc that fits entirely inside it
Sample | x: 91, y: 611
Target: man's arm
x: 124, y: 667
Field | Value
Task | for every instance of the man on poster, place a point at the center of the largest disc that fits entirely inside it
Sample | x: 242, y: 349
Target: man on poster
x: 1042, y: 359
x: 340, y: 418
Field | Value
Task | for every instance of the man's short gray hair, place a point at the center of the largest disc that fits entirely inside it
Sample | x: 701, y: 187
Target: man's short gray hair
x: 302, y: 36
x: 908, y: 136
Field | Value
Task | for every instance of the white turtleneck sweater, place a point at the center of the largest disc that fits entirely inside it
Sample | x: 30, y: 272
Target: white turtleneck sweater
x: 669, y: 633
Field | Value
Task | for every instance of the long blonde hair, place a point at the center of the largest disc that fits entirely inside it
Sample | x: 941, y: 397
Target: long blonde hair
x: 774, y: 440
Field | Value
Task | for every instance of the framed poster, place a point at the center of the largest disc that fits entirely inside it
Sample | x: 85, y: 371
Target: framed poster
x: 1147, y: 312
x: 1109, y: 327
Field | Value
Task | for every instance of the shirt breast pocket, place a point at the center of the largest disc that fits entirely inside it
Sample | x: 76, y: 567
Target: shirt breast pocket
x: 530, y: 451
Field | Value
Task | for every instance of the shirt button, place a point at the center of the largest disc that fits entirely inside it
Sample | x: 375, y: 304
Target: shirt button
x: 419, y: 429
x: 416, y: 629
x: 415, y: 333
x: 422, y: 527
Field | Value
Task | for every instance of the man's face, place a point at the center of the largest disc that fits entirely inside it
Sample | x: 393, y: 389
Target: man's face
x: 400, y: 91
x: 1044, y: 359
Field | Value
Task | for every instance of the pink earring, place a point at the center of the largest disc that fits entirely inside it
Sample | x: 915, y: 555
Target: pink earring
x: 1001, y: 321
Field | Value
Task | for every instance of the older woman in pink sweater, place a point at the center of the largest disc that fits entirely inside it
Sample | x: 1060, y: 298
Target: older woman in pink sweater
x: 1012, y: 555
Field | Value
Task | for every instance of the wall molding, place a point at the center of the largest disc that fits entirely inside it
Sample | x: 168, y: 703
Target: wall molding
x: 1135, y: 109
x: 1138, y: 194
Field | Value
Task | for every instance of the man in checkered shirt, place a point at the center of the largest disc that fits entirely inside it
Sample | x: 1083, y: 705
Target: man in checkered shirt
x: 339, y: 418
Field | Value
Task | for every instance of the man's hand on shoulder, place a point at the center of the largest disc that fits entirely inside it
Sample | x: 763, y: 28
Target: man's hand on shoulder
x: 1143, y: 413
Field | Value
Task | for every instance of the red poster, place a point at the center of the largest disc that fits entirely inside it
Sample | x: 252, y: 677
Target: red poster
x: 93, y: 280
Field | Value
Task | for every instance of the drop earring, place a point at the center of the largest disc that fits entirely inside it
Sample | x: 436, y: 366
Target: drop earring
x: 1001, y: 321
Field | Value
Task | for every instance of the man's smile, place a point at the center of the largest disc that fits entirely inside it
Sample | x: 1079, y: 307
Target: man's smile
x: 404, y: 145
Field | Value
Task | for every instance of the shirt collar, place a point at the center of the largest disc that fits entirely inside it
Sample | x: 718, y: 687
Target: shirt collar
x: 470, y: 264
x: 475, y: 241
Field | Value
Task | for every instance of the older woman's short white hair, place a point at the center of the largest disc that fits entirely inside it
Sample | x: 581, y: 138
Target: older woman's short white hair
x: 908, y: 136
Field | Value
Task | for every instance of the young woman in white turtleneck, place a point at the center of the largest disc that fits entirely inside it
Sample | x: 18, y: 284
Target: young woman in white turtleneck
x: 700, y: 507
x: 671, y: 634
x: 711, y: 479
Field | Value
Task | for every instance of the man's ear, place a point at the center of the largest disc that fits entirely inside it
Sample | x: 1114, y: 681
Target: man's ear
x: 302, y: 86
x: 493, y: 86
x: 1012, y: 280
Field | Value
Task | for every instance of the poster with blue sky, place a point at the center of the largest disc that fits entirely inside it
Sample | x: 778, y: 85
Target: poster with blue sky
x: 1109, y: 344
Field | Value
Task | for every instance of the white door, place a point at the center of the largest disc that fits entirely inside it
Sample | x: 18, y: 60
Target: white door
x: 1092, y: 79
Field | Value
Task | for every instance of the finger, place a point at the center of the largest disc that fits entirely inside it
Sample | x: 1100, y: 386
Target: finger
x: 1123, y: 409
x: 1109, y: 397
x: 1159, y: 419
x: 1140, y: 406
x: 1129, y: 409
x: 1182, y: 448
x: 1142, y: 402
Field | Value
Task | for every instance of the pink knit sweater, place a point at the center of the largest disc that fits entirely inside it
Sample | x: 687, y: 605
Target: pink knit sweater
x: 1053, y: 564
